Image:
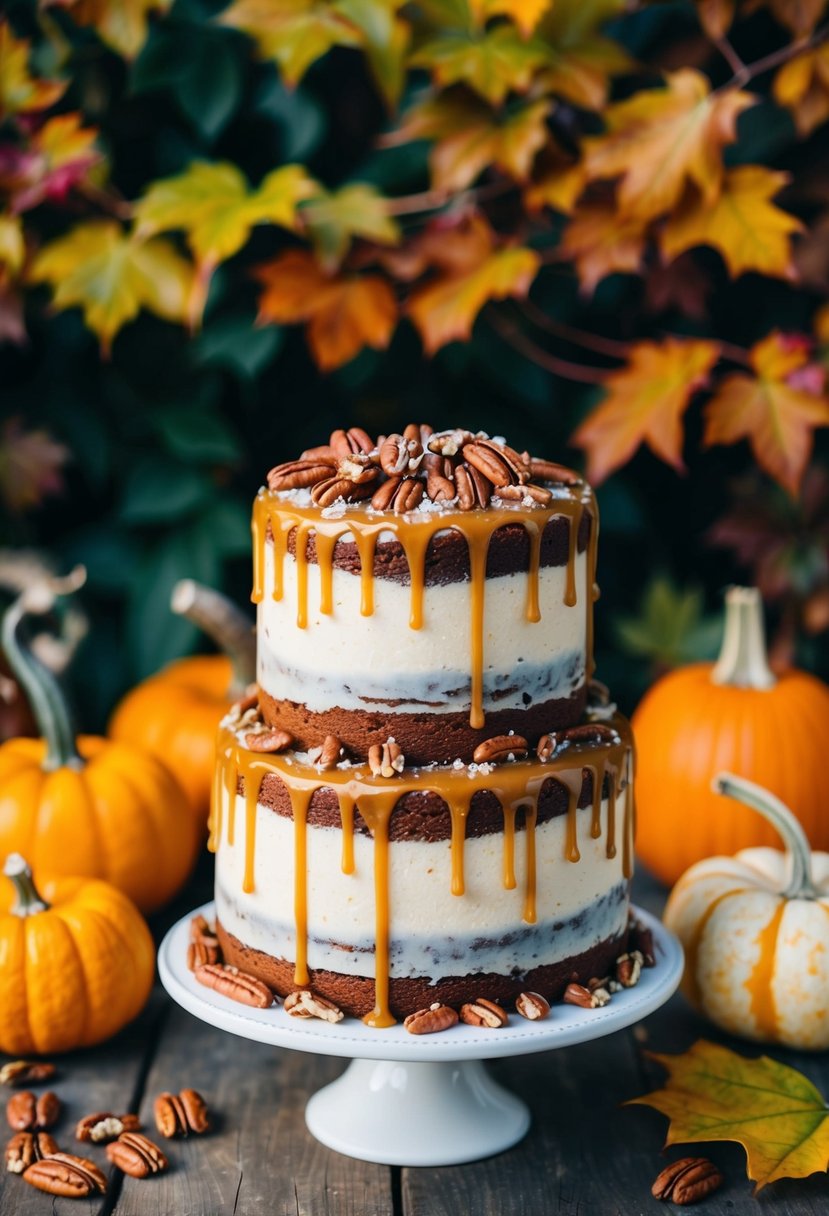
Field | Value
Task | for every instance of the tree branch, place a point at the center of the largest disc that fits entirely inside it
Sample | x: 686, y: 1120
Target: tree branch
x: 737, y: 65
x: 748, y: 71
x: 578, y: 337
x: 515, y: 337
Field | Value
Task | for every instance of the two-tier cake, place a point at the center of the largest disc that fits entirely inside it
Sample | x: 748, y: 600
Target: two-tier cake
x: 427, y: 799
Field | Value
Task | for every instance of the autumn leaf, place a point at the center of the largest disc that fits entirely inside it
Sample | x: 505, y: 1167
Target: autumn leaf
x: 57, y: 159
x: 558, y: 181
x: 385, y: 38
x: 802, y: 86
x: 112, y: 275
x: 716, y: 16
x: 742, y: 224
x: 494, y: 62
x: 121, y: 24
x: 660, y: 140
x: 470, y: 137
x: 771, y: 409
x: 773, y: 1111
x: 600, y: 242
x: 582, y: 61
x: 31, y: 463
x: 645, y: 403
x: 798, y: 16
x: 294, y: 33
x: 333, y: 219
x: 524, y: 13
x: 450, y: 243
x: 20, y: 92
x: 12, y: 243
x: 444, y: 309
x: 344, y: 312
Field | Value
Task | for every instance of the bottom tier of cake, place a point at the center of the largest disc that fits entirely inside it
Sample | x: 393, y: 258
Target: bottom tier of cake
x: 438, y: 884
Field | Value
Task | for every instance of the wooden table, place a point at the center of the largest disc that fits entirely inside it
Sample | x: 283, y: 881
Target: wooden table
x: 584, y: 1155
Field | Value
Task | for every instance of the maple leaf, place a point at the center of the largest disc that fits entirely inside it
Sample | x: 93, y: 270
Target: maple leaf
x: 57, y: 159
x: 294, y: 33
x: 742, y: 224
x: 773, y: 1111
x: 344, y: 312
x: 802, y: 86
x: 524, y: 13
x: 645, y: 403
x: 798, y: 16
x: 444, y: 308
x: 30, y: 465
x: 451, y: 243
x: 600, y: 242
x: 582, y: 61
x: 20, y: 92
x: 558, y: 181
x: 333, y: 219
x: 660, y: 140
x: 470, y: 137
x: 385, y: 39
x: 121, y: 24
x: 12, y: 243
x: 112, y: 275
x: 493, y: 63
x: 776, y: 415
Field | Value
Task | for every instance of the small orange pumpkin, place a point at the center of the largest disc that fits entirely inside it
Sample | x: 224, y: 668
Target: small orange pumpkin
x: 74, y: 969
x: 175, y: 713
x: 85, y: 805
x: 735, y: 715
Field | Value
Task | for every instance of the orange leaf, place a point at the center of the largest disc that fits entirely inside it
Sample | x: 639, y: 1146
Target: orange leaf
x: 600, y: 242
x: 716, y: 16
x: 524, y: 13
x: 21, y: 93
x: 344, y: 312
x: 659, y: 140
x: 743, y: 224
x: 645, y: 404
x: 802, y: 86
x: 798, y: 16
x: 770, y: 409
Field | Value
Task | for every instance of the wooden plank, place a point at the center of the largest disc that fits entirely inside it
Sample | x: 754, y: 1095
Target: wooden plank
x: 105, y: 1078
x: 260, y: 1159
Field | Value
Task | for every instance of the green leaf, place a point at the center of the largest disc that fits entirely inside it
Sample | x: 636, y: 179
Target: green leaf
x: 235, y: 344
x: 210, y: 88
x: 334, y: 219
x: 160, y: 490
x: 302, y: 119
x: 671, y: 628
x: 196, y: 435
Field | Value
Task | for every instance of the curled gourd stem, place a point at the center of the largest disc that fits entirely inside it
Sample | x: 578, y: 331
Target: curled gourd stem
x: 801, y: 885
x: 48, y: 702
x: 743, y: 662
x: 222, y: 621
x: 27, y: 900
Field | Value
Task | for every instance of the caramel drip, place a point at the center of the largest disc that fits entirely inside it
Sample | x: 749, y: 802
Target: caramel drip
x: 610, y: 851
x: 326, y: 545
x: 627, y: 828
x: 280, y: 534
x: 458, y: 811
x: 570, y: 595
x: 347, y: 821
x: 366, y: 541
x: 214, y: 820
x: 415, y: 545
x: 230, y: 777
x: 377, y: 812
x: 300, y: 798
x: 572, y: 779
x: 509, y: 848
x: 258, y: 526
x: 598, y: 770
x: 592, y: 590
x: 530, y: 817
x: 301, y: 557
x: 252, y: 786
x: 533, y: 607
x: 759, y: 983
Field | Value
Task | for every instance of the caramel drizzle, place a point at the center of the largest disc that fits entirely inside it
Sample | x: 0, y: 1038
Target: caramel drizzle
x: 516, y: 785
x: 278, y: 517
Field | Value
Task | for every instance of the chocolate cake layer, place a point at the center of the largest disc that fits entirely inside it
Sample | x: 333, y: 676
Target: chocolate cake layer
x: 424, y: 738
x: 355, y: 994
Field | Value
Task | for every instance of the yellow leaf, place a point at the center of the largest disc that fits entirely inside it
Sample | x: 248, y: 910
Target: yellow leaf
x: 386, y: 39
x: 20, y: 92
x: 12, y: 243
x: 773, y: 1111
x: 645, y: 403
x: 558, y: 182
x: 821, y: 324
x: 802, y: 86
x: 770, y: 409
x: 112, y: 276
x: 333, y: 219
x: 659, y: 140
x: 294, y: 33
x: 470, y: 137
x: 344, y: 312
x: 445, y: 308
x: 121, y: 24
x: 600, y: 242
x: 743, y: 224
x: 494, y: 62
x: 581, y: 60
x: 524, y: 13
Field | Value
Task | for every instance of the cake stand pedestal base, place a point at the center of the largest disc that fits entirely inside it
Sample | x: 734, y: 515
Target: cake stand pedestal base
x: 400, y: 1113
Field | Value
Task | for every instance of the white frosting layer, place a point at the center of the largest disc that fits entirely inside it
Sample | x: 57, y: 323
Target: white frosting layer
x: 433, y: 933
x: 378, y: 663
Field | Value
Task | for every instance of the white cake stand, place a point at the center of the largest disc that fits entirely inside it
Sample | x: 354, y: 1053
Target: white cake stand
x: 419, y: 1100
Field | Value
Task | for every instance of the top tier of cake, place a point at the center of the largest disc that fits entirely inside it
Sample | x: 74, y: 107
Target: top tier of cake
x: 433, y: 588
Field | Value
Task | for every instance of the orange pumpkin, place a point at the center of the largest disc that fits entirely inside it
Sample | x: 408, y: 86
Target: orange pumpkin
x: 175, y: 713
x: 734, y: 715
x: 85, y: 805
x: 74, y: 969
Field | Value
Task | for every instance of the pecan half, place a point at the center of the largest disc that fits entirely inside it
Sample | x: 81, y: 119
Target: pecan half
x: 249, y: 701
x: 550, y: 470
x: 548, y: 746
x: 472, y: 488
x: 66, y: 1175
x: 300, y: 474
x: 326, y: 493
x: 499, y: 464
x: 101, y: 1127
x: 26, y: 1147
x: 398, y: 494
x: 386, y: 759
x: 629, y: 969
x: 640, y: 940
x: 182, y: 1113
x: 525, y: 494
x: 449, y: 443
x: 532, y: 1006
x: 235, y: 984
x: 26, y: 1113
x: 323, y: 451
x: 499, y: 749
x: 482, y: 1012
x: 432, y: 1020
x: 201, y: 952
x: 399, y: 455
x: 421, y: 431
x: 355, y: 439
x: 687, y: 1181
x: 268, y: 740
x: 136, y: 1155
x: 590, y: 732
x: 577, y: 994
x: 440, y: 478
x: 308, y: 1004
x: 26, y: 1072
x: 328, y: 754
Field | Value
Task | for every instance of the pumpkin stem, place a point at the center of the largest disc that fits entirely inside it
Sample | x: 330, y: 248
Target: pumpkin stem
x: 27, y: 900
x: 222, y: 621
x: 45, y: 696
x: 781, y: 818
x: 743, y: 662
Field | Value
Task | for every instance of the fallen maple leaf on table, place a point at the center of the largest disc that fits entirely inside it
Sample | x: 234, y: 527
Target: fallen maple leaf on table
x: 645, y: 403
x: 773, y: 1111
x: 771, y: 409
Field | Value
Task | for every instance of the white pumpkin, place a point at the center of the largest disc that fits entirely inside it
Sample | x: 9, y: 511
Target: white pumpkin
x: 755, y: 928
